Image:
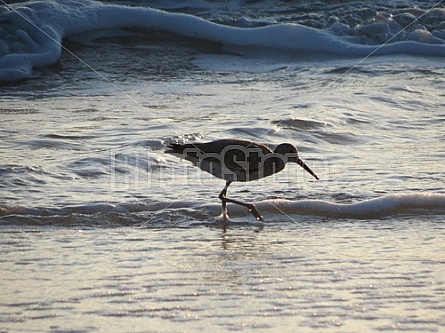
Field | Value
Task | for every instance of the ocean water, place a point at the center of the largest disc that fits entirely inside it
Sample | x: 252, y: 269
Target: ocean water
x: 101, y: 231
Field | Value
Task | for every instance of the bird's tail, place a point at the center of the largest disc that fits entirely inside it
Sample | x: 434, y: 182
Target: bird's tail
x: 175, y: 148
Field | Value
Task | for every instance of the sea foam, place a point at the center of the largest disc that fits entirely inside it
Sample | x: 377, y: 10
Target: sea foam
x: 31, y: 33
x: 414, y: 204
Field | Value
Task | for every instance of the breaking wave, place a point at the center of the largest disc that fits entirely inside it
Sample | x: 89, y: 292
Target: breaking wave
x: 31, y: 33
x: 162, y: 214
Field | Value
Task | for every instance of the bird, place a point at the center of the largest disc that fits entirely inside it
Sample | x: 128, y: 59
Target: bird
x: 238, y: 160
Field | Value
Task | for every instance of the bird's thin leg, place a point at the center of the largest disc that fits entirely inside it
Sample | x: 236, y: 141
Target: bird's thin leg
x: 250, y: 207
x: 225, y: 200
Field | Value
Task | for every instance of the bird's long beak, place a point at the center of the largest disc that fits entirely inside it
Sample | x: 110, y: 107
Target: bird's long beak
x: 305, y: 167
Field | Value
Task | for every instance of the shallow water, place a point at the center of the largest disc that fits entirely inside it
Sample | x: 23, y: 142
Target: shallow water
x: 326, y: 276
x: 103, y: 231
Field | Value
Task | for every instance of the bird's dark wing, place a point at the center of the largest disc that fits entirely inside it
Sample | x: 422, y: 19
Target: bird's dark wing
x: 239, y: 155
x: 234, y: 154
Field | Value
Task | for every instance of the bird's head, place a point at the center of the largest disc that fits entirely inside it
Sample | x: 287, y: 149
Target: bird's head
x: 290, y: 154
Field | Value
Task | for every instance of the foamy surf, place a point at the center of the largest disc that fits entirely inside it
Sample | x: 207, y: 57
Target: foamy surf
x: 32, y: 33
x: 173, y: 213
x: 395, y: 204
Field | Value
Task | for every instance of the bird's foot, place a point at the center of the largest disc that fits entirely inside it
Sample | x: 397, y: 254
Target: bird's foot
x: 224, y: 222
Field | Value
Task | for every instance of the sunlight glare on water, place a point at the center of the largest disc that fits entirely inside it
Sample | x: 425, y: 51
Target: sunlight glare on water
x: 311, y: 276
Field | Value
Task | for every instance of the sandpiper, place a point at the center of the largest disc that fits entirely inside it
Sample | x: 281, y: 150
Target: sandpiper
x: 238, y: 160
